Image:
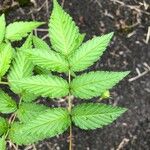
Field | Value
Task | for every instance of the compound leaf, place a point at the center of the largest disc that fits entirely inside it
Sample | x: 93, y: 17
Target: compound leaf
x: 92, y: 116
x: 63, y: 32
x: 2, y: 27
x: 40, y: 44
x: 44, y: 85
x: 17, y: 30
x: 48, y: 124
x: 29, y: 111
x: 93, y: 84
x: 6, y: 53
x: 48, y: 60
x: 2, y: 143
x: 3, y: 126
x: 7, y: 105
x: 89, y: 52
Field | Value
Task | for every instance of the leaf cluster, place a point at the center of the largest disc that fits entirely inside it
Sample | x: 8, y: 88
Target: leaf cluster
x: 32, y: 71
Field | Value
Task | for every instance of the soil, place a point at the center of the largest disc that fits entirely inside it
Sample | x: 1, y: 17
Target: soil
x: 129, y: 19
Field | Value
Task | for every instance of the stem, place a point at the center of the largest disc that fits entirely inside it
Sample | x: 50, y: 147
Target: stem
x: 5, y: 83
x: 69, y: 96
x: 20, y: 101
x: 70, y: 138
x: 69, y: 109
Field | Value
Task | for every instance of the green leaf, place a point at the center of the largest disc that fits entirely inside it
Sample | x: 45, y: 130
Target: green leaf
x: 7, y: 105
x: 21, y: 68
x: 40, y: 44
x: 93, y: 84
x: 92, y: 116
x: 79, y: 41
x: 63, y: 32
x: 2, y: 27
x: 44, y: 85
x: 48, y: 124
x: 43, y: 46
x: 28, y: 43
x: 29, y: 111
x: 39, y: 70
x: 28, y: 97
x: 89, y: 52
x: 3, y: 126
x: 17, y: 30
x: 2, y: 143
x: 48, y: 60
x: 6, y: 53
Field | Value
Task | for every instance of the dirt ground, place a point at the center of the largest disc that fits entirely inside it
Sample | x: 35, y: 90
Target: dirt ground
x: 129, y: 50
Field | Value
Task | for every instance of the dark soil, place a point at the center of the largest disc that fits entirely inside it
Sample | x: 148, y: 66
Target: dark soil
x: 128, y: 51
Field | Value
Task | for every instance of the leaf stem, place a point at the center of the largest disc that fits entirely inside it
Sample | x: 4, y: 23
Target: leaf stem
x: 69, y: 109
x: 69, y: 96
x: 70, y: 138
x: 5, y: 83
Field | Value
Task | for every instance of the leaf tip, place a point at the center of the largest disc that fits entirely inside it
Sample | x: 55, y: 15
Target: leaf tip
x: 124, y: 110
x: 42, y: 23
x: 2, y: 16
x: 126, y: 73
x: 111, y: 34
x: 55, y: 2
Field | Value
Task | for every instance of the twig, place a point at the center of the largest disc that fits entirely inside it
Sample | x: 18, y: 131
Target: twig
x: 34, y: 3
x: 44, y: 37
x: 131, y: 7
x: 22, y: 11
x: 28, y: 147
x: 36, y: 9
x: 47, y: 7
x: 139, y: 76
x: 62, y: 3
x: 147, y: 70
x: 122, y: 144
x: 34, y: 148
x: 148, y: 35
x: 42, y: 30
x: 99, y: 4
x: 146, y: 65
x: 15, y: 147
x: 5, y: 83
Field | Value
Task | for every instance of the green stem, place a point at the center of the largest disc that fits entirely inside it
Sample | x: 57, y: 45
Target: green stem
x: 5, y: 83
x: 20, y: 101
x: 69, y: 96
x: 69, y: 109
x: 70, y: 138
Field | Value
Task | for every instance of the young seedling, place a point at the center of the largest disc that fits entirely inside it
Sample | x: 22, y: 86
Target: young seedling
x: 31, y: 75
